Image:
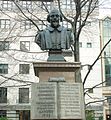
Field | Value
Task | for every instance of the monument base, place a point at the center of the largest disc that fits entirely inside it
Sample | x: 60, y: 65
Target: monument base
x: 47, y: 70
x: 57, y: 96
x: 52, y: 101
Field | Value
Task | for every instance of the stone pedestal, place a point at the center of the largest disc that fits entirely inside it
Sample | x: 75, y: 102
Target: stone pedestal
x: 57, y: 96
x: 47, y: 70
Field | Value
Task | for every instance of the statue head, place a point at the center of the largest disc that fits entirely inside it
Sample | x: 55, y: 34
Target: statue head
x: 54, y: 18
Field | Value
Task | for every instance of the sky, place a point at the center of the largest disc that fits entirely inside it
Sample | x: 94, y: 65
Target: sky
x: 105, y: 8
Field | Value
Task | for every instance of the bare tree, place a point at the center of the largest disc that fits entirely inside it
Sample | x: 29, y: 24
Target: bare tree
x: 77, y: 18
x: 99, y: 56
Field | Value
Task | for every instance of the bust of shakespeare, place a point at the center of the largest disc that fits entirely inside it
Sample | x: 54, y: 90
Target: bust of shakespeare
x: 54, y: 37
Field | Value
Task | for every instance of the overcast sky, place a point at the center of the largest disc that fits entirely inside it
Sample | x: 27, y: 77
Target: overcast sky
x: 105, y: 8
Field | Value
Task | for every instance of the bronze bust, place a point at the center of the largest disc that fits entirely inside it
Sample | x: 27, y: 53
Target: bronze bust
x: 55, y: 36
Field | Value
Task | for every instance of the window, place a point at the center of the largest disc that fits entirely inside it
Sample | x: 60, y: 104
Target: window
x: 68, y: 4
x: 24, y: 68
x: 80, y: 44
x: 109, y: 99
x: 4, y: 23
x: 2, y: 113
x: 46, y: 3
x: 23, y: 95
x: 25, y: 46
x: 4, y: 45
x: 90, y: 90
x: 26, y: 24
x: 7, y: 5
x: 89, y: 45
x: 3, y: 95
x: 26, y: 4
x: 107, y: 53
x: 108, y: 74
x: 3, y: 68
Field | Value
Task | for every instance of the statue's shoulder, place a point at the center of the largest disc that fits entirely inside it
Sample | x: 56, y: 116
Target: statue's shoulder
x: 43, y: 30
x: 69, y: 29
x: 40, y: 31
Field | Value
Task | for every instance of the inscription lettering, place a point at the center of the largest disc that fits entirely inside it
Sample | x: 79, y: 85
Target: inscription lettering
x: 50, y: 100
x: 70, y: 106
x: 45, y: 101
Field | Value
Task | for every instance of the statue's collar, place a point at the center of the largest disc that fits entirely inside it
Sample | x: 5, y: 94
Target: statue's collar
x: 51, y: 29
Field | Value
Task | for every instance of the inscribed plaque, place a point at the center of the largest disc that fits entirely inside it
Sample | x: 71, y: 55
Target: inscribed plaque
x: 43, y: 105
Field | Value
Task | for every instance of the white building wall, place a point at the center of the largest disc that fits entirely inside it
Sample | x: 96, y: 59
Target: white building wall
x: 87, y: 57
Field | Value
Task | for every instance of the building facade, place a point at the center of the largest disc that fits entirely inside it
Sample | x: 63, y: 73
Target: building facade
x: 18, y: 51
x: 105, y: 30
x: 89, y: 51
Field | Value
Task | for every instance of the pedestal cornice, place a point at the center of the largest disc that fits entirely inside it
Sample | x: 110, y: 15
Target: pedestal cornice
x: 45, y: 70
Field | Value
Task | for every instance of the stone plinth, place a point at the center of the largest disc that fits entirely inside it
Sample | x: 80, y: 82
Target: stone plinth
x: 47, y: 70
x: 53, y: 101
x: 57, y: 95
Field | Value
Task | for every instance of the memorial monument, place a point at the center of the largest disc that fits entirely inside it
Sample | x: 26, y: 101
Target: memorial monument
x: 57, y: 95
x: 55, y: 37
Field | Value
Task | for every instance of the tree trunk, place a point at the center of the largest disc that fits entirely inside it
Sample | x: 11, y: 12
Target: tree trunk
x: 76, y: 51
x: 77, y: 59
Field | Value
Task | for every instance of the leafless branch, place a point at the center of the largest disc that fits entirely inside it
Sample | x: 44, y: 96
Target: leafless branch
x: 96, y: 101
x: 91, y: 66
x: 26, y: 15
x: 18, y: 80
x: 94, y: 87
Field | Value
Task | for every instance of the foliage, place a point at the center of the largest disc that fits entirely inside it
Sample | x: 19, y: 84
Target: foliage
x: 90, y: 115
x: 101, y: 118
x: 3, y: 118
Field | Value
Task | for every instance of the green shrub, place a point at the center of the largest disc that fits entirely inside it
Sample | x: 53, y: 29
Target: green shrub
x: 101, y: 118
x: 3, y: 118
x: 90, y: 115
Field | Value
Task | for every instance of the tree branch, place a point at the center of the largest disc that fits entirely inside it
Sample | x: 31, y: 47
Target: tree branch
x: 26, y: 16
x: 96, y: 101
x: 95, y: 61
